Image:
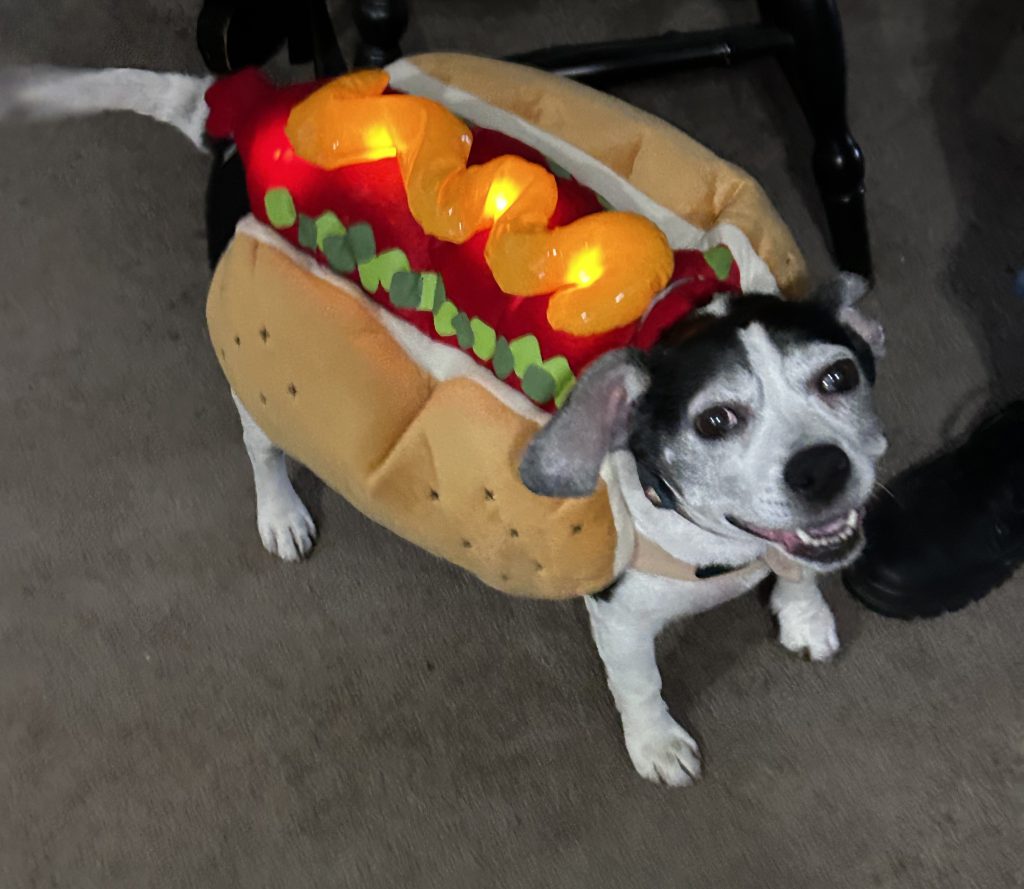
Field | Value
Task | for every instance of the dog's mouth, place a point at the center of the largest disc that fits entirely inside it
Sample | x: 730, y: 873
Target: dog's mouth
x: 828, y: 543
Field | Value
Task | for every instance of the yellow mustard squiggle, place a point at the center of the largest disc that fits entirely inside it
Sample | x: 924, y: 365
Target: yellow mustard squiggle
x: 602, y: 269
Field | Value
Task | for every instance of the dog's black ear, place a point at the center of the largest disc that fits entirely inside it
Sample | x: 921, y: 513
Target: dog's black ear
x: 564, y: 458
x: 841, y: 295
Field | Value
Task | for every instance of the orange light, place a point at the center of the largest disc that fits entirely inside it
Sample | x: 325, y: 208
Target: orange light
x: 600, y: 270
x: 586, y: 267
x: 379, y: 144
x: 500, y: 197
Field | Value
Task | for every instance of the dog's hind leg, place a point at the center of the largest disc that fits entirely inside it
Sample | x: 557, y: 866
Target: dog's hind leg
x: 284, y: 523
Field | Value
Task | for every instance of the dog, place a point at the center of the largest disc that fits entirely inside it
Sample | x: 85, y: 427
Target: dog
x: 745, y: 435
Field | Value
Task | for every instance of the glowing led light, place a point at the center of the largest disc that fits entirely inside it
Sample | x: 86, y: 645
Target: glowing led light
x: 600, y: 270
x: 500, y: 197
x: 379, y: 143
x: 586, y: 267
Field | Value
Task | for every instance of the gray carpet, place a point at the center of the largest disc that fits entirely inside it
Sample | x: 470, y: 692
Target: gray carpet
x: 180, y: 710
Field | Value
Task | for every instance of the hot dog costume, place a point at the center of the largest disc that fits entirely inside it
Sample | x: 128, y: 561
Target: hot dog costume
x: 435, y: 253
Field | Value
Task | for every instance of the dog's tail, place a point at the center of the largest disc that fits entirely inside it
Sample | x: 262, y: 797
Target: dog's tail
x: 48, y: 93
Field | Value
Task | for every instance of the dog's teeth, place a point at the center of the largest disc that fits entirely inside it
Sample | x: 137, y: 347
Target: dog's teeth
x: 827, y: 540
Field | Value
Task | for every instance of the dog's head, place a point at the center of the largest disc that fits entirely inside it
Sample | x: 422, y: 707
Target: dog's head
x: 752, y: 417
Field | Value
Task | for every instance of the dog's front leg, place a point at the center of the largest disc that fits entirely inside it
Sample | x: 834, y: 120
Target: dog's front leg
x: 661, y: 750
x: 806, y: 624
x: 285, y: 525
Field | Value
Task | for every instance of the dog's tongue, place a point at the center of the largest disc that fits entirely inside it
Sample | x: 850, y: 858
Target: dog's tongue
x: 786, y: 539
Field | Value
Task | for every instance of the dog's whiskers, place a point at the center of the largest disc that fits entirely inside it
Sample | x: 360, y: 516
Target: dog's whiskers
x: 880, y: 486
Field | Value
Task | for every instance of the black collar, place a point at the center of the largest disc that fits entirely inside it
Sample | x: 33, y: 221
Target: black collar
x: 662, y: 495
x: 657, y: 490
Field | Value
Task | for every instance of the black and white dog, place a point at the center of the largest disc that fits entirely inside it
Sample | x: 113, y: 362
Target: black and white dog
x: 750, y: 426
x: 748, y: 430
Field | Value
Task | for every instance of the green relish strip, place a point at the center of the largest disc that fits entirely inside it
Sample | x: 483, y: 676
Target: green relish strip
x: 354, y: 249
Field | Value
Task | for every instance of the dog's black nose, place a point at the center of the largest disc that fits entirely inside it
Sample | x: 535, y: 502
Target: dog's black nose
x: 818, y: 473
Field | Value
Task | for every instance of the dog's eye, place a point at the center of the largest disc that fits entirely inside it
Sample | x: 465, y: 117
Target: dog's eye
x: 716, y: 422
x: 840, y: 377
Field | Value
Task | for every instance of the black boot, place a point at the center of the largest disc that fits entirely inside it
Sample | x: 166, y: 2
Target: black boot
x: 952, y: 529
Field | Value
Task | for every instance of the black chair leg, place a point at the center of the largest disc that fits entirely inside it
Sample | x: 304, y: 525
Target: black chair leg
x: 816, y: 69
x: 381, y: 24
x: 234, y: 34
x: 311, y: 38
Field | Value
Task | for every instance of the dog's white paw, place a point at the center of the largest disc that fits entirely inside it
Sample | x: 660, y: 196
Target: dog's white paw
x: 808, y: 629
x: 285, y: 525
x: 662, y: 751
